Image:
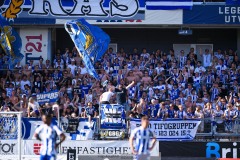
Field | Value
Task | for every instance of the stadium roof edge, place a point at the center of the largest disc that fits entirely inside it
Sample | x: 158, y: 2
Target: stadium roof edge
x: 192, y: 26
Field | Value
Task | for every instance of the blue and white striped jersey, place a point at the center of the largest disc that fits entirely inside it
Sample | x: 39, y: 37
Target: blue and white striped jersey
x: 142, y: 139
x: 48, y: 136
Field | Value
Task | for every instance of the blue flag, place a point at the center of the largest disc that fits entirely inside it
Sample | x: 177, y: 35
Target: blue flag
x: 10, y: 42
x: 90, y: 41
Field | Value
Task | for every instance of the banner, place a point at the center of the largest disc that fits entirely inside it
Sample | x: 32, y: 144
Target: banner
x: 112, y: 116
x: 35, y: 44
x: 85, y: 130
x: 152, y: 17
x: 102, y: 148
x: 36, y: 11
x: 8, y: 127
x: 200, y: 149
x: 49, y: 97
x: 170, y: 129
x: 29, y: 126
x: 8, y: 147
x: 168, y: 4
x: 212, y: 14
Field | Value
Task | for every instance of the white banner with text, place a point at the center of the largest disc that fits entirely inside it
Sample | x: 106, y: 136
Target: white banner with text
x: 170, y: 129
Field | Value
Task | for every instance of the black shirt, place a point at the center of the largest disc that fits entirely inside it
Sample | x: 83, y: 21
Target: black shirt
x: 121, y: 95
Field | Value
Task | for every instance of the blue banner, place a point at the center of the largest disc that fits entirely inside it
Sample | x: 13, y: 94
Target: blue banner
x: 90, y: 41
x: 9, y: 130
x: 49, y: 97
x: 212, y: 14
x: 112, y: 116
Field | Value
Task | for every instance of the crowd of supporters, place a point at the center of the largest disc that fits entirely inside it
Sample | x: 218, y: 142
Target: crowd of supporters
x: 190, y: 84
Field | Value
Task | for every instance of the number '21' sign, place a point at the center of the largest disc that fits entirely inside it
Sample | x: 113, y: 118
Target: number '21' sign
x: 34, y: 44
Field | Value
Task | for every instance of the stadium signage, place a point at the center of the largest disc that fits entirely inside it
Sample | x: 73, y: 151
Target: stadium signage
x: 77, y: 8
x: 200, y: 149
x: 212, y: 14
x: 35, y: 44
x: 216, y: 150
x: 171, y: 129
x: 8, y: 147
x: 98, y: 150
x: 94, y: 147
x: 232, y: 14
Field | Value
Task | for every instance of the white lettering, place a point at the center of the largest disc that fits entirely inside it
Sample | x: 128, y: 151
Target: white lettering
x: 40, y: 6
x: 92, y: 8
x: 229, y: 10
x: 234, y: 18
x: 227, y: 19
x: 235, y: 150
x: 226, y: 10
x: 220, y: 10
x: 233, y: 10
x: 124, y: 8
x: 225, y: 151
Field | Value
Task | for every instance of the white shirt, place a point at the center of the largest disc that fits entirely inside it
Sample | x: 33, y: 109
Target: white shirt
x: 106, y: 96
x: 48, y: 136
x: 200, y: 69
x: 207, y: 60
x: 34, y: 105
x: 159, y: 69
x: 72, y: 67
x: 22, y: 83
x: 83, y: 70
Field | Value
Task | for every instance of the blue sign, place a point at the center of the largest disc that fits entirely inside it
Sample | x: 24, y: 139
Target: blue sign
x: 212, y: 14
x: 49, y: 97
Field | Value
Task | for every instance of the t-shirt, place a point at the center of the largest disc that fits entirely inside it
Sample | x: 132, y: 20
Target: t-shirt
x: 121, y: 95
x: 106, y: 96
x: 143, y: 139
x: 85, y: 89
x: 48, y: 136
x: 34, y: 105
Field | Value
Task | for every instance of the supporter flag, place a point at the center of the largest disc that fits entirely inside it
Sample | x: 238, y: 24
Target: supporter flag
x: 10, y: 42
x: 90, y: 41
x: 232, y: 2
x: 168, y: 4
